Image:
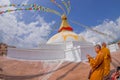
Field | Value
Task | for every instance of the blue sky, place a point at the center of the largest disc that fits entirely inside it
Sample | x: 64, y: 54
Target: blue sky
x: 88, y: 12
x: 93, y: 13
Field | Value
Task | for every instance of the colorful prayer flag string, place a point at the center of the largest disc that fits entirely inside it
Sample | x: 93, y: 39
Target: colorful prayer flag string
x: 66, y: 5
x: 18, y: 5
x: 104, y: 34
x: 58, y: 5
x: 33, y: 7
x: 69, y: 6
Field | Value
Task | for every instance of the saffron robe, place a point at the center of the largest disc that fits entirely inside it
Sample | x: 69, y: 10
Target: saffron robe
x: 97, y: 65
x: 107, y: 60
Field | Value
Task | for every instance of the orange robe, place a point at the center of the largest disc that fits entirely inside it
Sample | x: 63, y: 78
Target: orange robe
x: 107, y: 60
x: 98, y: 65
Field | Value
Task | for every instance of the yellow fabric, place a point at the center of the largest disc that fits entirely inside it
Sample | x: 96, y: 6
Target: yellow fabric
x: 70, y: 35
x: 94, y: 63
x: 107, y: 60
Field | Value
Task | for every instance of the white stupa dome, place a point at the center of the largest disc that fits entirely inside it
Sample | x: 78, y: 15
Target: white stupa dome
x: 65, y: 33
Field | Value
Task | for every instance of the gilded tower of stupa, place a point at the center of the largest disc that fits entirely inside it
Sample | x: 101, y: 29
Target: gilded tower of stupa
x: 65, y: 33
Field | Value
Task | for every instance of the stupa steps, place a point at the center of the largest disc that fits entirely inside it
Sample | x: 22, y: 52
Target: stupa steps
x: 67, y: 70
x: 115, y: 59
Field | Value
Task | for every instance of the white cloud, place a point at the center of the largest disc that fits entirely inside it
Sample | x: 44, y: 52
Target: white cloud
x: 4, y: 2
x: 20, y: 34
x: 25, y: 1
x: 109, y: 27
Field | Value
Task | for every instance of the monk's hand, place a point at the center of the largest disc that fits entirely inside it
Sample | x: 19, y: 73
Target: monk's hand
x: 88, y: 56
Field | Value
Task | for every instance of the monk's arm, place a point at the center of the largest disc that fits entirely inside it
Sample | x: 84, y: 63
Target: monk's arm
x: 97, y: 61
x: 109, y: 55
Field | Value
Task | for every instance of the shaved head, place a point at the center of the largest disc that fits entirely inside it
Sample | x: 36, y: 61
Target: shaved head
x: 104, y: 44
x: 97, y: 48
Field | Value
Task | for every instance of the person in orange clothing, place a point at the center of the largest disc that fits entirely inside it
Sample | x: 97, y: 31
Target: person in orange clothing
x: 107, y: 59
x: 97, y: 65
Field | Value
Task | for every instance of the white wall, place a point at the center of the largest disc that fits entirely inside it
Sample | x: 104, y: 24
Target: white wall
x: 45, y: 52
x: 113, y: 47
x: 77, y: 51
x: 70, y: 51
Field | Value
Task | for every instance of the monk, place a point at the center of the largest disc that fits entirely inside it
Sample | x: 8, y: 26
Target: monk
x: 107, y: 59
x: 97, y: 65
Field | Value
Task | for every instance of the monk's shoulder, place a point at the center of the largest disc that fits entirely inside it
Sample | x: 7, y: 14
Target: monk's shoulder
x: 101, y: 53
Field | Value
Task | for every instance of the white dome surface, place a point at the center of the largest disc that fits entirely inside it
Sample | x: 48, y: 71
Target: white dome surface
x: 65, y: 36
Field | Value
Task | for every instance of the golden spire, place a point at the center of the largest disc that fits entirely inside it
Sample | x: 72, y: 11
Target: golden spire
x: 64, y: 24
